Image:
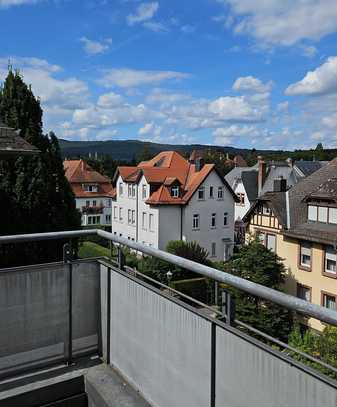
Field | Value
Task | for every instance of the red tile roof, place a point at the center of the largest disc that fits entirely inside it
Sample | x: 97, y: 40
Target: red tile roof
x: 164, y: 170
x: 78, y: 172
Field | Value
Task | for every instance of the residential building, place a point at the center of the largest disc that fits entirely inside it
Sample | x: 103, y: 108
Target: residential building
x: 170, y: 198
x: 249, y: 183
x: 300, y: 226
x: 93, y: 192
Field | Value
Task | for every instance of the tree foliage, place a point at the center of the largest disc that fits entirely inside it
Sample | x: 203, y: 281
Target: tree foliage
x: 34, y: 191
x: 256, y: 263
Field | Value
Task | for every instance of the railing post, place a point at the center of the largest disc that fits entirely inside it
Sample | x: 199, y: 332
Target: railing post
x: 228, y: 307
x: 120, y: 258
x: 108, y: 316
x: 213, y: 364
x: 67, y: 259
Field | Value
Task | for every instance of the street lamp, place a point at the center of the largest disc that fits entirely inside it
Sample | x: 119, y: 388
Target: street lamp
x: 169, y: 276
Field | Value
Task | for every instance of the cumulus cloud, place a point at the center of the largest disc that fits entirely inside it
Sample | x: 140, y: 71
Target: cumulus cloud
x: 144, y: 12
x: 95, y: 47
x: 284, y: 22
x: 128, y: 78
x: 235, y: 109
x: 10, y: 3
x: 225, y: 135
x: 321, y: 81
x: 330, y: 121
x: 150, y: 128
x: 108, y: 100
x: 251, y: 84
x: 164, y: 97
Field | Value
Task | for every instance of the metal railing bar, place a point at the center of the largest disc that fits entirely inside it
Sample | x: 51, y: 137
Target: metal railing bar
x: 280, y: 298
x: 286, y: 346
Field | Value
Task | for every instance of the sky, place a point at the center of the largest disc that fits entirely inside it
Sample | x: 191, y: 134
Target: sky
x: 243, y: 73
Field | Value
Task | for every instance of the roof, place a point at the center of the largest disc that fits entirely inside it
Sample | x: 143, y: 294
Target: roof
x: 309, y: 167
x: 248, y: 176
x: 78, y: 172
x: 315, y: 231
x: 196, y: 154
x: 166, y: 169
x: 12, y: 144
x: 239, y: 161
x: 276, y: 172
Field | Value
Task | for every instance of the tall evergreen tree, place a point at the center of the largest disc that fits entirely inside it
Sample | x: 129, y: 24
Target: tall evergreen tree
x: 33, y: 190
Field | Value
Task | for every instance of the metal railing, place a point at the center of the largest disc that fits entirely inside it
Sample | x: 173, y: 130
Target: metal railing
x: 292, y: 303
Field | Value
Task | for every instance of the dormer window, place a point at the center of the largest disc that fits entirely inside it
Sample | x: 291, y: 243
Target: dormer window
x: 175, y: 191
x: 90, y: 187
x: 323, y: 214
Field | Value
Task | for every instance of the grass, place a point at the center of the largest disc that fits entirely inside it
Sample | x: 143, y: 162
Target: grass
x: 91, y: 249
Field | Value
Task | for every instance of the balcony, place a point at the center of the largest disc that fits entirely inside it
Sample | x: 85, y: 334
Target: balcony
x: 144, y: 336
x: 92, y: 210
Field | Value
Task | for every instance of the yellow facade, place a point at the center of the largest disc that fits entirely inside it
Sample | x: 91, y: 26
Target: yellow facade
x: 289, y: 251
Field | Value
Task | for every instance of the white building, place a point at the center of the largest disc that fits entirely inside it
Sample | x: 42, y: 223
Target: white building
x: 170, y: 198
x: 93, y: 192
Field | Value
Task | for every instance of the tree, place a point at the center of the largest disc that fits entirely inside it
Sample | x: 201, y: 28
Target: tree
x: 34, y: 190
x: 256, y: 263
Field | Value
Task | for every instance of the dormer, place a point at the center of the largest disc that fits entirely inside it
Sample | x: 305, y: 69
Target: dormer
x: 322, y: 203
x: 174, y: 186
x: 90, y: 187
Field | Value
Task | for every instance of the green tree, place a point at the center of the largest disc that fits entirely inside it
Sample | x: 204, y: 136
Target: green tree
x: 34, y: 190
x: 256, y: 263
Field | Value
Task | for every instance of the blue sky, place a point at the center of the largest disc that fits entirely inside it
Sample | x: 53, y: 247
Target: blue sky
x: 246, y: 73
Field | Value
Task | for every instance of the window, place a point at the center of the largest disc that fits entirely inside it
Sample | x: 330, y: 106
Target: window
x: 225, y: 219
x: 330, y: 261
x: 213, y: 220
x: 329, y: 301
x: 201, y: 193
x: 220, y: 192
x: 241, y: 197
x: 129, y: 190
x: 94, y: 203
x: 115, y: 212
x: 90, y: 188
x: 107, y: 218
x: 151, y: 222
x: 322, y: 214
x: 133, y: 190
x: 89, y: 220
x: 262, y: 237
x: 266, y: 210
x: 120, y: 188
x: 129, y: 216
x: 144, y: 220
x: 211, y: 193
x: 195, y: 224
x: 108, y: 203
x: 121, y: 214
x: 303, y: 292
x: 133, y: 216
x: 333, y: 215
x: 213, y: 250
x: 271, y: 242
x: 94, y: 220
x: 87, y: 203
x: 312, y: 213
x: 305, y: 255
x: 175, y: 191
x: 144, y: 191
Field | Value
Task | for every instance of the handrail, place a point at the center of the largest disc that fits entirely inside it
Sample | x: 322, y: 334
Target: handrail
x: 269, y: 294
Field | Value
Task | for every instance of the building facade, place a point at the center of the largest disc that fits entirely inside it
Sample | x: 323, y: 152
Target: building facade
x: 170, y: 198
x: 93, y: 193
x: 300, y: 226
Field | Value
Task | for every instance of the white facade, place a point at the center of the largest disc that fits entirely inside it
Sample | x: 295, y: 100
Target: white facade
x: 99, y: 212
x: 207, y: 220
x: 242, y: 207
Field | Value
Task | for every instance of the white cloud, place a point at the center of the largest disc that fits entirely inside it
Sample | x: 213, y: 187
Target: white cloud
x: 163, y: 97
x: 10, y: 3
x: 187, y: 29
x: 229, y: 108
x: 330, y: 121
x: 309, y: 51
x: 283, y: 107
x: 95, y: 47
x: 128, y: 78
x: 144, y: 12
x: 251, y: 84
x: 150, y: 128
x: 284, y: 22
x: 109, y: 100
x: 321, y: 81
x: 225, y: 135
x: 155, y: 26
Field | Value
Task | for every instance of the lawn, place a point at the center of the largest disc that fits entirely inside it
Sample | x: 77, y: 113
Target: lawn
x: 90, y: 249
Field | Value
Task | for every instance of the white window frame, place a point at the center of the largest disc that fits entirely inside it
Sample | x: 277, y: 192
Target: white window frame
x: 201, y: 193
x: 330, y: 255
x: 211, y: 192
x: 121, y: 214
x: 129, y: 217
x: 220, y: 193
x: 151, y: 222
x: 225, y: 219
x: 175, y: 191
x: 120, y: 189
x: 144, y: 220
x: 323, y: 214
x: 133, y: 216
x: 144, y: 191
x: 333, y: 210
x: 312, y: 213
x: 305, y: 250
x: 196, y: 221
x: 213, y: 220
x: 325, y: 298
x: 213, y: 249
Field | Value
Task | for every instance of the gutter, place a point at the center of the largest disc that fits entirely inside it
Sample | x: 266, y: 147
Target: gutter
x: 288, y: 209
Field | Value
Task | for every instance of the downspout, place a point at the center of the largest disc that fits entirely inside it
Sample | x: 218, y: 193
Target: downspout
x: 287, y: 210
x: 137, y: 214
x: 181, y: 222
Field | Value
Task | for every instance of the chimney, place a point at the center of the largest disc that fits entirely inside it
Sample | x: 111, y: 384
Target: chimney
x: 280, y: 185
x: 199, y: 163
x: 262, y: 173
x: 83, y: 166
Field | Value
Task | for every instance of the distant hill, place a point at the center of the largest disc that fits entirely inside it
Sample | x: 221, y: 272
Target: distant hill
x: 126, y: 150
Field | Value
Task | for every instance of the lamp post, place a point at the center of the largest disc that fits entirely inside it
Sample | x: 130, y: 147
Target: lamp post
x: 169, y: 276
